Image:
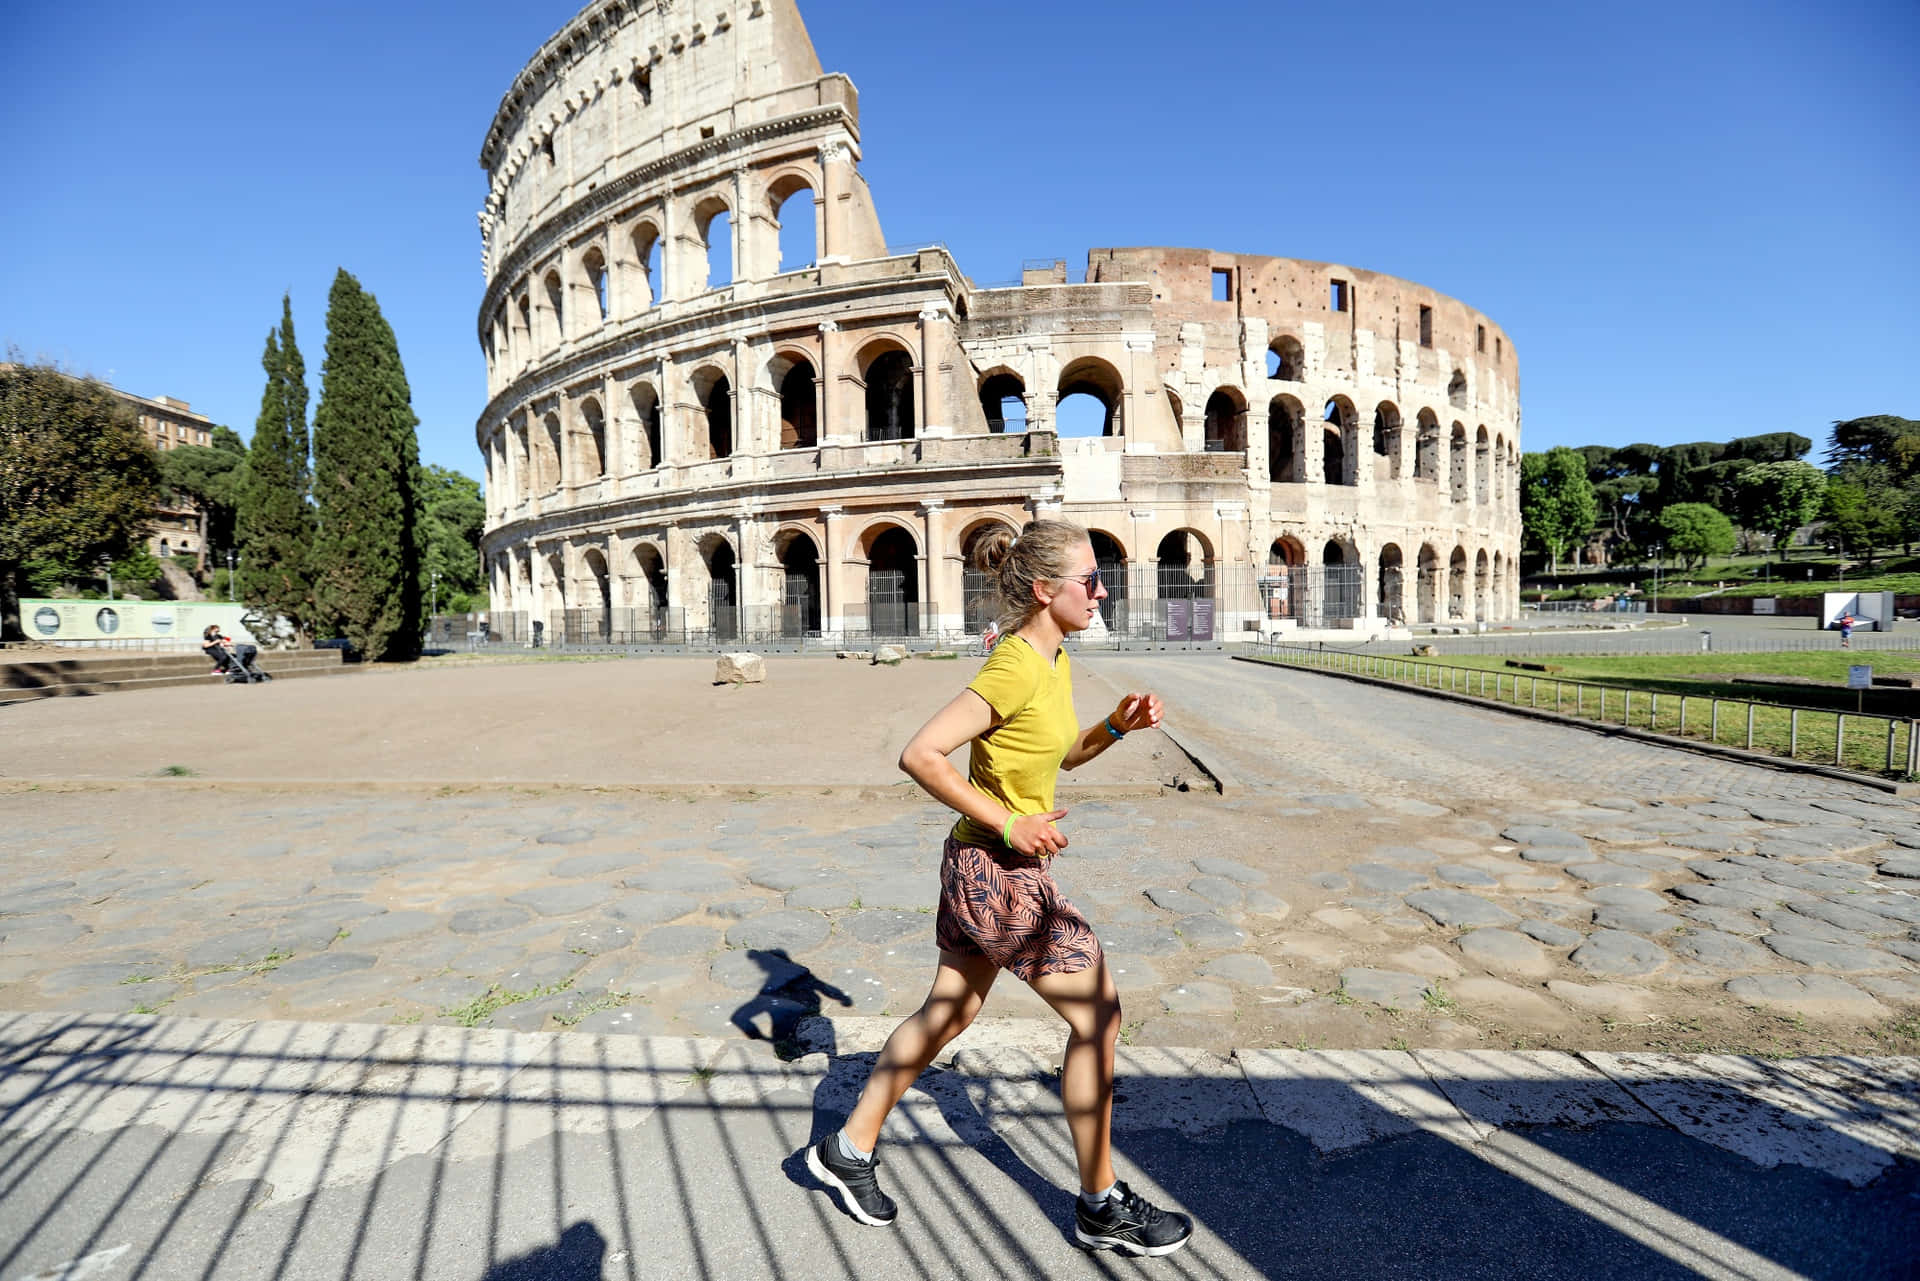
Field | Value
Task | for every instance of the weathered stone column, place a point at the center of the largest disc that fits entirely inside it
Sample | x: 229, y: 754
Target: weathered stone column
x: 832, y: 576
x: 933, y: 341
x: 830, y: 223
x: 935, y: 594
x: 832, y: 426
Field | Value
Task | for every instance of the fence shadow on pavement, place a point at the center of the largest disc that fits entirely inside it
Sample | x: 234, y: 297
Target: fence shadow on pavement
x: 184, y: 1148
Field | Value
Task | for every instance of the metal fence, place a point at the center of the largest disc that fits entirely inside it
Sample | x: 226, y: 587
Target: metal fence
x: 1887, y: 746
x: 1671, y: 640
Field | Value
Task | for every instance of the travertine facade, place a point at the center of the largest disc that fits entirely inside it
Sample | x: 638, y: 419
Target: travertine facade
x: 678, y: 419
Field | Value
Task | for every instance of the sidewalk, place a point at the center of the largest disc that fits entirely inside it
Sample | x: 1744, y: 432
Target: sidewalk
x: 135, y: 1146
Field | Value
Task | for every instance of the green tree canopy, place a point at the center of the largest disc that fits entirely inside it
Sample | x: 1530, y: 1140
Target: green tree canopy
x: 1695, y: 531
x: 226, y: 438
x: 1862, y: 517
x: 275, y: 518
x: 1880, y: 438
x: 78, y: 480
x: 211, y: 478
x: 366, y: 474
x: 1557, y: 506
x: 452, y: 514
x: 1778, y: 498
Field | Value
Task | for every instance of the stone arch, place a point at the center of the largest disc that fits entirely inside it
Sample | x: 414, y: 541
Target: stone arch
x: 713, y: 391
x: 1286, y: 360
x: 1391, y: 584
x: 593, y: 272
x: 649, y: 262
x: 893, y: 580
x: 649, y: 452
x: 1457, y: 583
x: 799, y: 559
x: 1283, y: 581
x: 1499, y: 468
x: 792, y: 376
x: 980, y: 602
x: 1341, y: 461
x: 1482, y: 455
x: 886, y: 369
x: 1386, y: 439
x: 1427, y: 589
x: 1457, y: 464
x: 556, y: 307
x: 1110, y: 558
x: 549, y: 460
x: 650, y: 566
x: 1003, y: 399
x: 792, y: 201
x: 596, y: 597
x: 590, y: 462
x: 1286, y: 440
x: 556, y: 593
x: 1426, y: 447
x: 1090, y: 376
x: 713, y: 217
x: 1457, y: 389
x: 1180, y: 577
x: 1482, y: 584
x: 1226, y: 423
x: 723, y: 586
x: 1499, y: 597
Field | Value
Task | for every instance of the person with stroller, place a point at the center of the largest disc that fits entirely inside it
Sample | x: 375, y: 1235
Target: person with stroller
x: 235, y: 662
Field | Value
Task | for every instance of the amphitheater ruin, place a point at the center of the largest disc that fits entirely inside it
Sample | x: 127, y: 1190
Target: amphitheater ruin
x: 721, y: 405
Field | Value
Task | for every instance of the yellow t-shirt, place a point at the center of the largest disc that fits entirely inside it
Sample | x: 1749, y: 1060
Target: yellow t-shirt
x: 1017, y: 762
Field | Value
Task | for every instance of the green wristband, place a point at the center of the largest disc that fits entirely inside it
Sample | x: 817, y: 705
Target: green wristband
x: 1006, y: 830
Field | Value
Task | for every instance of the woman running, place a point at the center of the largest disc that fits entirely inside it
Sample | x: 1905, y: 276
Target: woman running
x: 999, y: 906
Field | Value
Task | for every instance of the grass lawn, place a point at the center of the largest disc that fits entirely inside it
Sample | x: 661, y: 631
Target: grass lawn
x: 1690, y: 695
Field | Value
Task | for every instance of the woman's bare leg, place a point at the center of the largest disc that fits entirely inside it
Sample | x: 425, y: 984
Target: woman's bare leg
x: 960, y: 987
x: 1090, y: 1004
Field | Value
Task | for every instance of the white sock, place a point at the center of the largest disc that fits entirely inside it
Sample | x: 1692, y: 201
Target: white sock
x: 850, y: 1152
x: 1094, y: 1200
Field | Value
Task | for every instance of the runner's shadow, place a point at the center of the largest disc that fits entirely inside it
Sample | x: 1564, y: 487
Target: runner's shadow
x: 579, y: 1255
x: 789, y: 993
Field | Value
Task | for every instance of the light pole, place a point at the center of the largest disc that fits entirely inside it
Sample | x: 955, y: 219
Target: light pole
x: 1657, y: 549
x: 433, y: 610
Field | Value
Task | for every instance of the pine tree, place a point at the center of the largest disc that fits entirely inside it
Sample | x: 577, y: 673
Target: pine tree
x: 275, y: 518
x: 366, y: 463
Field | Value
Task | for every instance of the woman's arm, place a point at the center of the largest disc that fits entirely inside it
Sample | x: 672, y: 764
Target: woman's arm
x: 925, y: 761
x: 1136, y: 711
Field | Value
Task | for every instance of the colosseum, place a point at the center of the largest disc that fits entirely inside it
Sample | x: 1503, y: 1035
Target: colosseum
x: 722, y: 406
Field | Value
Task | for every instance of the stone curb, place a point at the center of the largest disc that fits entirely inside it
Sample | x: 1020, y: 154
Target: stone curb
x: 677, y: 791
x: 1737, y: 754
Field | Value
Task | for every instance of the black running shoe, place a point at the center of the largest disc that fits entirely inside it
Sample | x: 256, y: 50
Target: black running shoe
x: 859, y: 1189
x: 1131, y: 1224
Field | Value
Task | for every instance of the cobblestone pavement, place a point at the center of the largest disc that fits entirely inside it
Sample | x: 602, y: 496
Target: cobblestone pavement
x: 1395, y: 871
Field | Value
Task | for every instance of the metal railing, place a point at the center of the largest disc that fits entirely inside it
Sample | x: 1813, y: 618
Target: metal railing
x: 1887, y: 746
x: 1565, y: 642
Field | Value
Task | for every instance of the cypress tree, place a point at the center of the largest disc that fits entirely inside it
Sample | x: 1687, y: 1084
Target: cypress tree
x: 366, y: 462
x: 275, y: 517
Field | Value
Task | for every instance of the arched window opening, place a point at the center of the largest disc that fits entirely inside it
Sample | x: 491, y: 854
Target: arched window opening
x: 1111, y: 560
x: 1427, y: 591
x: 723, y: 590
x: 800, y: 588
x: 1457, y: 390
x: 593, y: 453
x: 1286, y: 444
x: 718, y: 403
x: 550, y: 455
x: 1286, y: 359
x: 1499, y: 469
x: 1341, y: 465
x: 592, y: 622
x: 595, y: 266
x: 1088, y: 401
x: 1426, y: 448
x: 1003, y: 399
x: 643, y: 85
x: 523, y: 342
x: 649, y: 288
x: 980, y: 602
x: 799, y: 417
x: 1392, y: 601
x: 556, y: 304
x: 1457, y: 463
x: 653, y: 581
x: 1481, y: 583
x: 1185, y: 567
x: 646, y: 412
x: 794, y: 215
x: 1499, y: 599
x: 715, y: 223
x: 1386, y: 439
x: 166, y: 553
x: 893, y: 585
x: 1457, y: 584
x: 1481, y: 466
x: 1226, y: 424
x: 1283, y: 583
x: 890, y: 396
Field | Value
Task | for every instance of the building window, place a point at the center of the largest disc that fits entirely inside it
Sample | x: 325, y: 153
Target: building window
x: 1222, y: 285
x: 1337, y: 296
x: 1480, y: 338
x: 1426, y: 326
x: 1499, y: 349
x: 546, y: 148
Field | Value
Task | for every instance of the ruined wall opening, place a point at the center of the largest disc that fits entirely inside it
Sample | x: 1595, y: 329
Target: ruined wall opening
x: 1386, y: 439
x: 799, y: 411
x: 1457, y: 463
x: 649, y: 285
x: 1110, y: 558
x: 1342, y: 463
x: 1426, y: 326
x: 1226, y: 424
x: 593, y: 265
x: 598, y: 598
x: 795, y: 222
x: 980, y: 602
x: 1457, y: 584
x: 549, y: 462
x: 1499, y: 601
x: 1481, y: 583
x: 1286, y: 440
x: 652, y: 569
x: 893, y: 584
x: 723, y: 587
x: 592, y: 442
x: 889, y: 377
x: 714, y: 393
x: 1184, y: 566
x: 1499, y: 468
x: 1426, y: 447
x: 1391, y: 579
x: 523, y: 339
x: 1481, y: 465
x: 1427, y: 593
x: 1089, y: 399
x: 1457, y: 390
x: 800, y: 586
x: 646, y: 415
x: 713, y: 224
x: 1003, y: 399
x: 1286, y: 359
x: 556, y: 309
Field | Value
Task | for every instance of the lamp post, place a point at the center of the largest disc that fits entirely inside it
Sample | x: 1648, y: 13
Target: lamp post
x: 433, y: 610
x: 230, y: 595
x: 106, y: 568
x: 1657, y: 549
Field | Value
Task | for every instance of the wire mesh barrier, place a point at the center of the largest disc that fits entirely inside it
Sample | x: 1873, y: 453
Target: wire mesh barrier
x: 1886, y: 746
x: 1665, y: 640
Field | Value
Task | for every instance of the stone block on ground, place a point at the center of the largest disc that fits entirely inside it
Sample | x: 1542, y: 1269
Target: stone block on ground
x: 1507, y: 952
x: 1614, y: 953
x: 1390, y: 988
x: 890, y: 655
x: 739, y: 669
x: 1459, y: 908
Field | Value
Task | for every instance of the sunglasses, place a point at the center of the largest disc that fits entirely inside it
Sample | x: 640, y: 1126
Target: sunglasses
x: 1090, y: 581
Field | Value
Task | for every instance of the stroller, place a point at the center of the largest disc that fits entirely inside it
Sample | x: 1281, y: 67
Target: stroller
x: 236, y: 665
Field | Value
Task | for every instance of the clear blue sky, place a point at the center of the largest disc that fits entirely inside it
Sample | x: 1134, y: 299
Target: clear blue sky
x: 1697, y: 220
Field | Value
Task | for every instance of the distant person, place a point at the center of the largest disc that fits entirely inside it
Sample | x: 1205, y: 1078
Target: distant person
x: 1846, y: 631
x: 221, y: 649
x: 999, y: 906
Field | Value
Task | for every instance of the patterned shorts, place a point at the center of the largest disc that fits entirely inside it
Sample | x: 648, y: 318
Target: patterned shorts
x: 1004, y: 906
